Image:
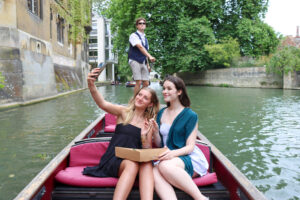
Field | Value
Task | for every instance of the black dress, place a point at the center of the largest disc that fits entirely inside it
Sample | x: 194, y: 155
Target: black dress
x: 125, y: 136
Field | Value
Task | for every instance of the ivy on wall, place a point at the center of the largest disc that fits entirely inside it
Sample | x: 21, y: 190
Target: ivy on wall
x: 1, y: 81
x: 77, y: 14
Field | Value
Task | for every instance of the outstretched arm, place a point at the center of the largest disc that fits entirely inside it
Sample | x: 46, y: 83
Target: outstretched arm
x: 98, y: 98
x: 145, y: 52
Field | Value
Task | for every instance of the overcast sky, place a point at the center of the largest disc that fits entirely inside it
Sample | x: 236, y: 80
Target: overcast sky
x: 284, y: 16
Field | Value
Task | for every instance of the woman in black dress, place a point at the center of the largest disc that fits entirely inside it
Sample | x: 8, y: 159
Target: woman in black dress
x: 133, y: 130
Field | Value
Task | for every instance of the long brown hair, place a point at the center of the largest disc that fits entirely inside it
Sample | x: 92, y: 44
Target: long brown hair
x: 179, y: 84
x: 149, y: 113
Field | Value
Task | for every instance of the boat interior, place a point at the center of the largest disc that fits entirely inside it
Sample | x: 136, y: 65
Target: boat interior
x: 71, y: 184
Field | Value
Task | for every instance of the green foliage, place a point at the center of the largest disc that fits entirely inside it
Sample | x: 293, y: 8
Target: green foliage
x: 286, y: 59
x: 193, y: 34
x: 1, y: 80
x: 224, y: 53
x: 177, y: 30
x: 77, y: 14
x: 256, y: 38
x: 250, y: 62
x: 100, y: 6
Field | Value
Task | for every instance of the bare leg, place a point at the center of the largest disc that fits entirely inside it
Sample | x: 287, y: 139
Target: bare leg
x: 145, y: 83
x: 137, y: 86
x: 146, y: 181
x: 164, y: 190
x: 173, y: 172
x: 127, y: 174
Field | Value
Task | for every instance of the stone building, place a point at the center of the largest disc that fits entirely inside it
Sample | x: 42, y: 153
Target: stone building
x: 37, y: 57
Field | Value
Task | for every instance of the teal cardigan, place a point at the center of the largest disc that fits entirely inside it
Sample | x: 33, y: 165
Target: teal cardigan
x: 180, y: 130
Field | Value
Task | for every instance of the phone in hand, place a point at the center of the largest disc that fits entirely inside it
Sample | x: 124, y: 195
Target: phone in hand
x: 102, y: 66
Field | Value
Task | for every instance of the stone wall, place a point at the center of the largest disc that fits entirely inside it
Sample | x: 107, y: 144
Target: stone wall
x: 11, y: 68
x: 235, y: 77
x: 291, y: 80
x: 30, y: 75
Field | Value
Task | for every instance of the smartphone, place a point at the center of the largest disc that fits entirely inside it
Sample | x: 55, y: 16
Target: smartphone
x: 102, y: 66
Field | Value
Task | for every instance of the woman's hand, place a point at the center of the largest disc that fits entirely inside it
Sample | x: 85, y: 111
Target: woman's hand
x: 167, y: 155
x: 146, y: 128
x: 93, y: 75
x: 154, y: 126
x: 146, y: 135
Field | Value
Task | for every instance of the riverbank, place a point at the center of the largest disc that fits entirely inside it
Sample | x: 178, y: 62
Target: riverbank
x: 6, y: 106
x: 248, y: 77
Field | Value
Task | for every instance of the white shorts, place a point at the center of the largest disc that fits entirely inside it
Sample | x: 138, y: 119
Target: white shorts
x: 139, y: 71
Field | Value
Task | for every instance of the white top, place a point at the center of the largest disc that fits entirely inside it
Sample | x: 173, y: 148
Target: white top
x: 134, y: 40
x: 199, y: 161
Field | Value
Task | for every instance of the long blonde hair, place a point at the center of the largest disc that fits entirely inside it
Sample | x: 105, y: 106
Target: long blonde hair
x: 149, y: 113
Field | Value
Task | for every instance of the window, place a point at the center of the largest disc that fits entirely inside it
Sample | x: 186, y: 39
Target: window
x: 51, y: 18
x: 93, y: 53
x: 106, y: 54
x: 106, y: 42
x: 60, y: 23
x: 106, y: 29
x: 92, y: 41
x: 35, y: 7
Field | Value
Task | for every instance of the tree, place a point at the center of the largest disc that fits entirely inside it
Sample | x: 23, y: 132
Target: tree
x: 256, y: 38
x: 178, y: 29
x: 286, y: 59
x: 224, y: 53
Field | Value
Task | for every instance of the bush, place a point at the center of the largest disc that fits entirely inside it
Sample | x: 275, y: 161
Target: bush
x: 224, y: 53
x: 1, y: 81
x: 286, y: 59
x: 246, y: 61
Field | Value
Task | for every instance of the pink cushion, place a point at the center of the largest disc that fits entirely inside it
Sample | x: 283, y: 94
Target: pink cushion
x: 110, y: 123
x: 208, y: 179
x: 87, y: 154
x: 73, y: 176
x: 110, y: 128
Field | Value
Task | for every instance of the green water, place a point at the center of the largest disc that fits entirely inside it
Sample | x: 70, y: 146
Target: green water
x: 257, y: 129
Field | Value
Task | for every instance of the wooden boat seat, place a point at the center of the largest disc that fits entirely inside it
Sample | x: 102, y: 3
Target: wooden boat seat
x: 89, y: 154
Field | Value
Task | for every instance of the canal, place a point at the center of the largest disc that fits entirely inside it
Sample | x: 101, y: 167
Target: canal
x: 257, y: 129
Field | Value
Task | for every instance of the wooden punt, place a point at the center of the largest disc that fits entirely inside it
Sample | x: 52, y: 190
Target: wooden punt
x: 232, y: 184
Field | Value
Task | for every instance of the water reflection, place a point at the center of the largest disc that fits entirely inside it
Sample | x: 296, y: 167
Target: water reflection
x: 281, y: 126
x: 257, y: 129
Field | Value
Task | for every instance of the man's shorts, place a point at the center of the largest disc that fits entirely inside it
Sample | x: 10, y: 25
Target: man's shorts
x: 139, y: 71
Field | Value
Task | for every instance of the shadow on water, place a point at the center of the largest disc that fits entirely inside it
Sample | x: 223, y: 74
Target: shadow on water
x: 257, y: 129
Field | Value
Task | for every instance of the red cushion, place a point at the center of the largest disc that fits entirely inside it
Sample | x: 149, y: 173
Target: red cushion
x: 109, y: 121
x: 208, y: 179
x: 87, y: 154
x: 73, y: 176
x: 110, y: 128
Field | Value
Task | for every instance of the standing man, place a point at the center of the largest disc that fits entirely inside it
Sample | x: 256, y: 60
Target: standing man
x: 138, y: 54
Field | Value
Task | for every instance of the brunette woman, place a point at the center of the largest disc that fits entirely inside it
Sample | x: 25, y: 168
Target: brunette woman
x: 176, y: 128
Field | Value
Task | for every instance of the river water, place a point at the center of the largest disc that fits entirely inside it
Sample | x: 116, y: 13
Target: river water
x: 257, y: 129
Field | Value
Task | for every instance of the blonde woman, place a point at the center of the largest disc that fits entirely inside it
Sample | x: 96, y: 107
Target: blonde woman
x: 132, y: 128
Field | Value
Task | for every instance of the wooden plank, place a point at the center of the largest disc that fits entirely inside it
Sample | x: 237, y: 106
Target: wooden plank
x: 244, y: 184
x: 37, y: 182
